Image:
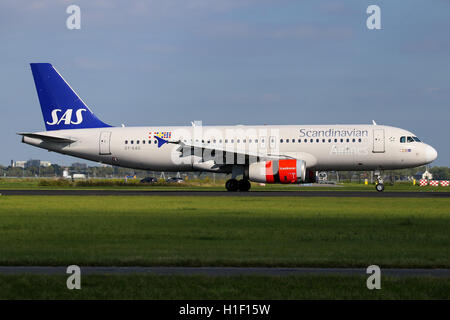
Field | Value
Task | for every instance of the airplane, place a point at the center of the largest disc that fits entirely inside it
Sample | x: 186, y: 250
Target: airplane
x: 286, y: 154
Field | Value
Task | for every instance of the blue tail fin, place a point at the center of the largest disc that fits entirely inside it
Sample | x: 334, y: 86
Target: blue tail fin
x: 61, y: 106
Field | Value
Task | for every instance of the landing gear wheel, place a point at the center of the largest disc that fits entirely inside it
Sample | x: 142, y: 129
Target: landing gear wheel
x: 232, y: 185
x: 244, y: 185
x: 379, y: 187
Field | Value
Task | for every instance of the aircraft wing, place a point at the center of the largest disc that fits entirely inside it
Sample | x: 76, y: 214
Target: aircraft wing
x: 211, y: 151
x: 46, y: 138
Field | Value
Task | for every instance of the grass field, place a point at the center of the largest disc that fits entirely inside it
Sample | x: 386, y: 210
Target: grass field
x: 219, y: 185
x: 199, y: 287
x: 231, y: 231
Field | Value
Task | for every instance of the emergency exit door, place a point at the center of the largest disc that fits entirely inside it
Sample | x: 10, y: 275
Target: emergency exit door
x: 378, y: 140
x: 105, y: 143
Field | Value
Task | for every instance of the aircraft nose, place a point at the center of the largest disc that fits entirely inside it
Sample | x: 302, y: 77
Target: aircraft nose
x: 430, y: 153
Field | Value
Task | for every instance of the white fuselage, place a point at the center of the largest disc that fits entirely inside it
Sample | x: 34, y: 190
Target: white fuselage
x: 322, y: 147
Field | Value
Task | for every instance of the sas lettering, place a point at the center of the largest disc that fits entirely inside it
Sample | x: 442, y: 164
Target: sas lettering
x: 66, y: 117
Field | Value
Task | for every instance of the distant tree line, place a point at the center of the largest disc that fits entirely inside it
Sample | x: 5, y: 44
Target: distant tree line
x: 441, y: 173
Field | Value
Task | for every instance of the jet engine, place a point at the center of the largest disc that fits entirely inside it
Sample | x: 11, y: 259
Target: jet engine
x: 278, y: 171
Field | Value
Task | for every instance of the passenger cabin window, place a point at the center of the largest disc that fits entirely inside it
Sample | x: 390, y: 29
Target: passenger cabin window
x: 126, y: 141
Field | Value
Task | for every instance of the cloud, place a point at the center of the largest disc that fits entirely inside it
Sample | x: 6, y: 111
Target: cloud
x: 239, y: 30
x: 312, y: 32
x: 428, y: 45
x: 167, y: 8
x: 432, y: 90
x: 159, y: 48
x: 270, y: 97
x: 92, y: 63
x: 228, y: 29
x: 339, y: 8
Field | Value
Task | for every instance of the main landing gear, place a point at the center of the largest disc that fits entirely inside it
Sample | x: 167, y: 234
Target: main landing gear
x: 235, y: 185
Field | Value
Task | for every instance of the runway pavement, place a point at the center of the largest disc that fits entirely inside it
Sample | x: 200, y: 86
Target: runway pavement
x: 224, y: 271
x: 190, y: 193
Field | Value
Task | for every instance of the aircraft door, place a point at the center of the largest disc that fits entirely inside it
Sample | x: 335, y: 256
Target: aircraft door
x: 105, y: 143
x: 378, y: 140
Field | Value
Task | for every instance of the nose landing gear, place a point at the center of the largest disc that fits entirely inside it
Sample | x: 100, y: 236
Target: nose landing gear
x: 235, y: 185
x: 380, y: 184
x: 379, y: 187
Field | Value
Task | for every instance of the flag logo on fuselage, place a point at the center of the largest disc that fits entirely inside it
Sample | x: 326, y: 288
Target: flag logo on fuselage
x: 161, y: 137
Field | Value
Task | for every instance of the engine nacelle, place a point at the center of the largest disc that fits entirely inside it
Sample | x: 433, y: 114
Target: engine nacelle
x: 278, y: 171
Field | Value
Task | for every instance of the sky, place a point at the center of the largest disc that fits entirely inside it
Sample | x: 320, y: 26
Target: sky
x: 225, y: 62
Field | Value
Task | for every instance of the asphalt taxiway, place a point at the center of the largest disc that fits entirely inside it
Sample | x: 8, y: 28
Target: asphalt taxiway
x: 190, y: 193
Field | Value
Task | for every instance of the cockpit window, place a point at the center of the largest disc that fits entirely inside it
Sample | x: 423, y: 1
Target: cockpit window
x: 409, y: 139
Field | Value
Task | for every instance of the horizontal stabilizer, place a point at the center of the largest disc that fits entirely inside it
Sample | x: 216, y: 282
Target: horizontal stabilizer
x: 46, y: 138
